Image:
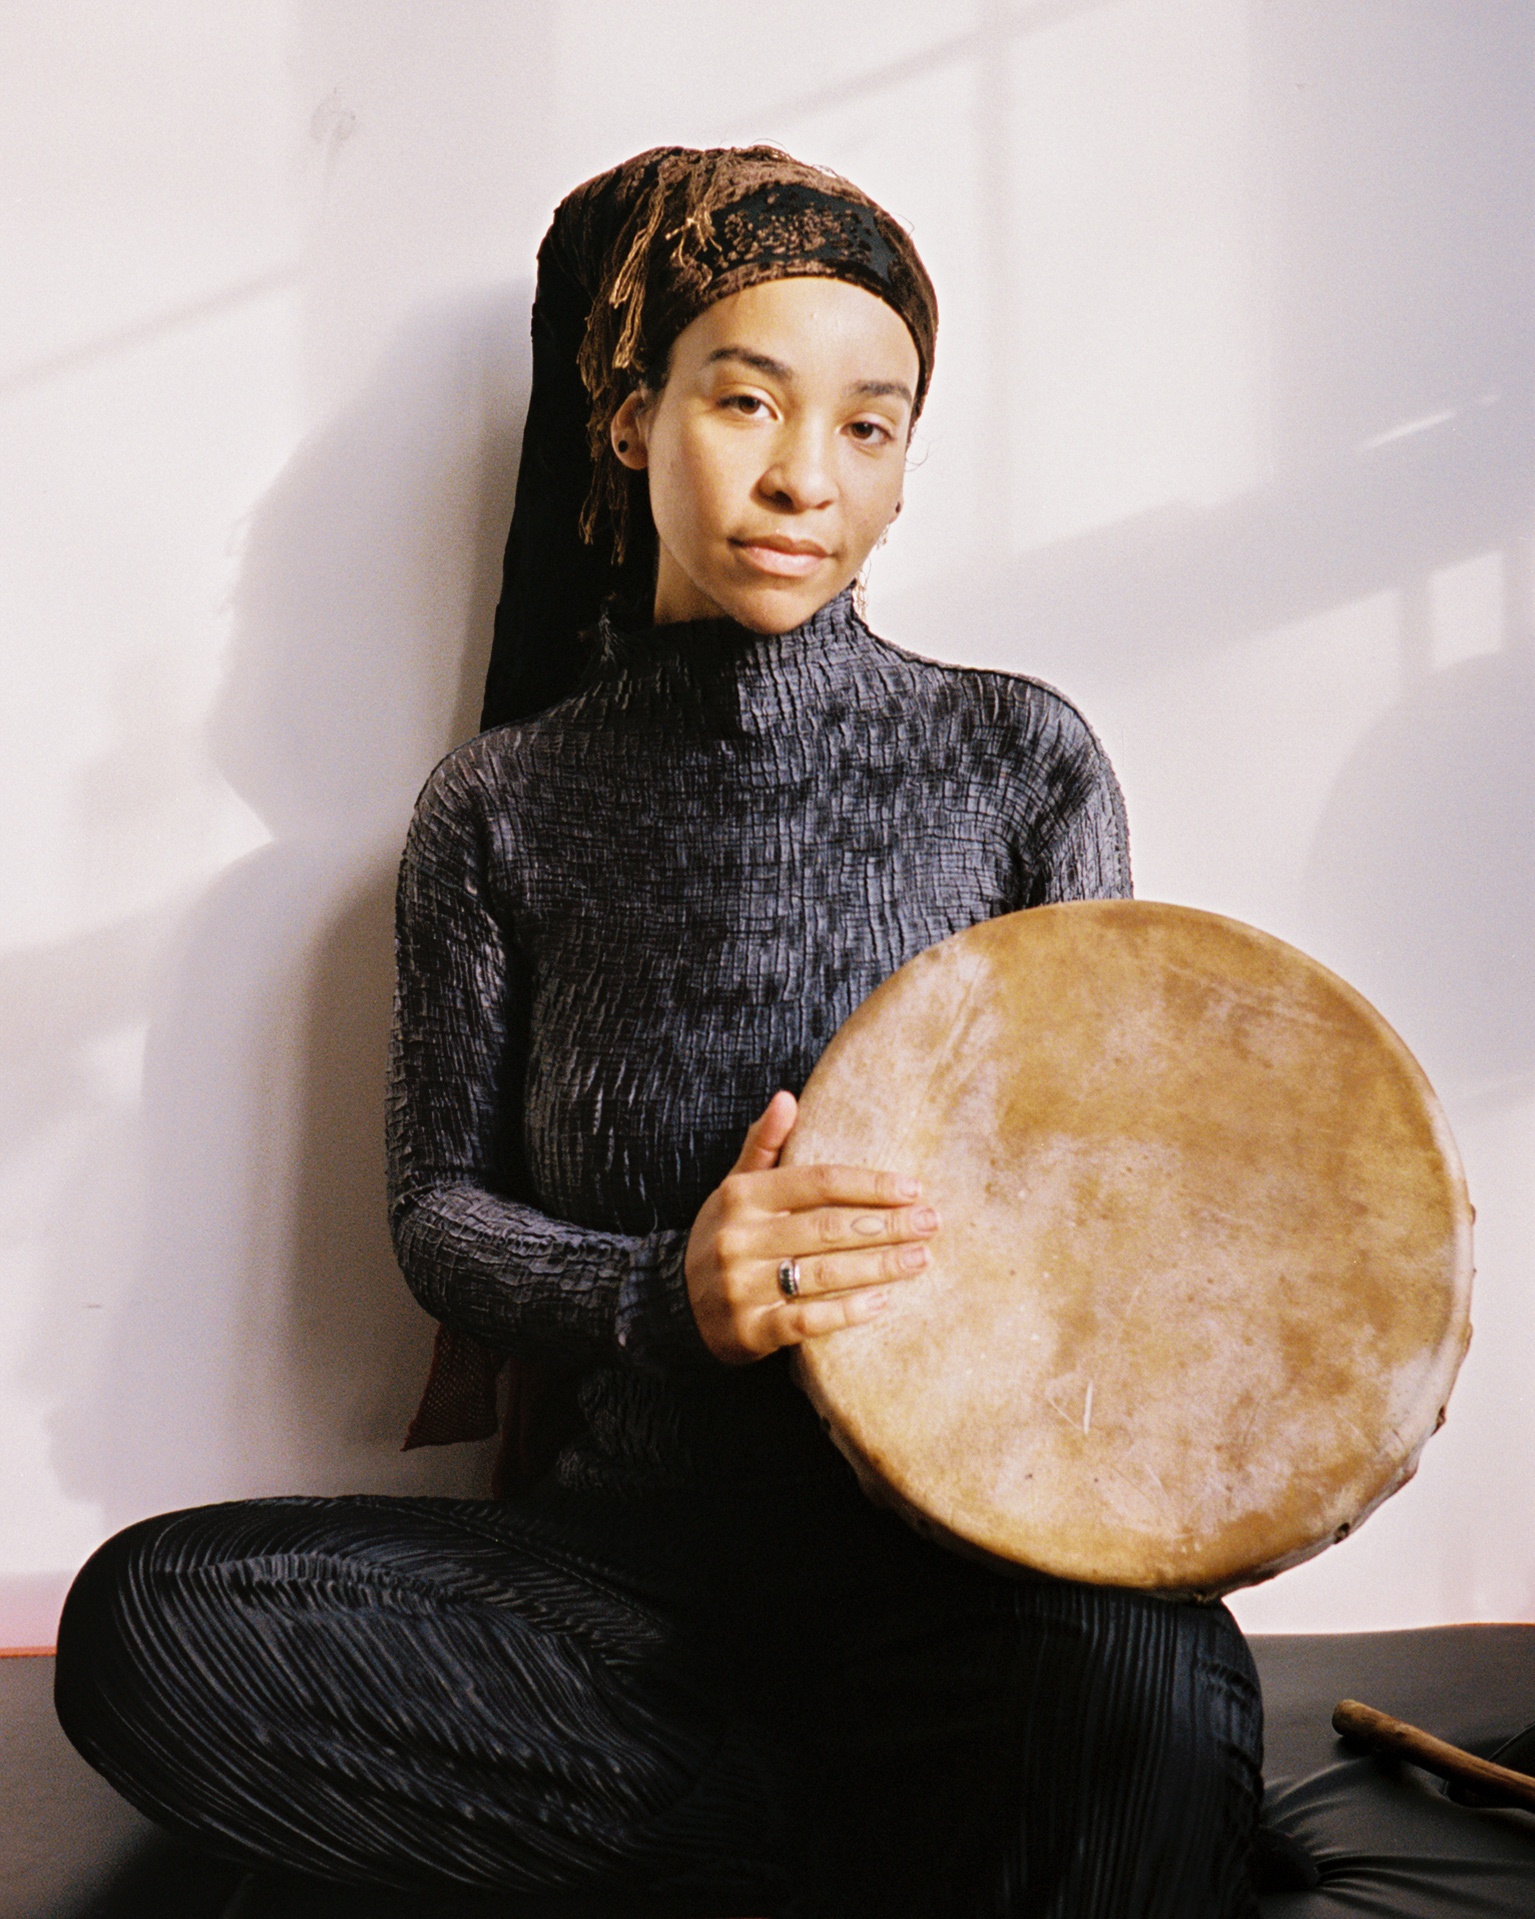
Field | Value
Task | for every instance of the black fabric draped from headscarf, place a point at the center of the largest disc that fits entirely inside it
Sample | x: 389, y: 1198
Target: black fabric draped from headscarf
x: 631, y: 258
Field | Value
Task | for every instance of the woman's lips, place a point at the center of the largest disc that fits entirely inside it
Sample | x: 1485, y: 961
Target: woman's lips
x: 784, y: 563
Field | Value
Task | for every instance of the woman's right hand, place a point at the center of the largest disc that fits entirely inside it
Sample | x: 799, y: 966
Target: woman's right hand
x: 851, y: 1230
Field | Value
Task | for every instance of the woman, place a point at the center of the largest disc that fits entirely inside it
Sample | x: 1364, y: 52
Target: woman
x: 687, y: 1669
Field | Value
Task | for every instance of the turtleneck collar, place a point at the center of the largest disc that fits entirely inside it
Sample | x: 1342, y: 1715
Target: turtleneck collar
x: 747, y: 682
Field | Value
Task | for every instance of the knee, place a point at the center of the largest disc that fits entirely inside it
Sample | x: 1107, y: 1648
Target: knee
x: 1212, y: 1736
x: 1226, y: 1678
x: 1173, y: 1682
x: 107, y: 1634
x: 1200, y: 1674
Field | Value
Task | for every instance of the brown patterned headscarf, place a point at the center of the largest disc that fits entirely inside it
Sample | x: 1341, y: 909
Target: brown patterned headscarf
x: 631, y: 259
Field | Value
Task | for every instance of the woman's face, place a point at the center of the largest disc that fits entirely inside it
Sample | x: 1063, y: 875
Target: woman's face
x: 776, y: 450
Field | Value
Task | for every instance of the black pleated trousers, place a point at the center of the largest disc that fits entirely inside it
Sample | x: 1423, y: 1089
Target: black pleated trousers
x: 784, y: 1704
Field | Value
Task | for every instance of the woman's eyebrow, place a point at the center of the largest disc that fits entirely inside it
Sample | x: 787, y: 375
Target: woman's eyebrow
x: 775, y: 369
x: 882, y: 389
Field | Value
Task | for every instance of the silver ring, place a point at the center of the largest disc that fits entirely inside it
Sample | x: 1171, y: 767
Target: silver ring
x: 788, y: 1278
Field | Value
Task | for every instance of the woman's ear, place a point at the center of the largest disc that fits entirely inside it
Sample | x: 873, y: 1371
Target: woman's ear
x: 628, y: 429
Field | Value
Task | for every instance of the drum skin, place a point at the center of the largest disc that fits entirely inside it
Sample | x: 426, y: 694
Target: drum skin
x: 1202, y: 1283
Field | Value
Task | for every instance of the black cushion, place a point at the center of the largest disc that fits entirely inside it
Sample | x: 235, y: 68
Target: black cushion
x: 1384, y: 1839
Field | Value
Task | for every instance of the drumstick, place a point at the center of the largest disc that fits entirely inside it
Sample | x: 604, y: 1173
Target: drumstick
x: 1381, y: 1733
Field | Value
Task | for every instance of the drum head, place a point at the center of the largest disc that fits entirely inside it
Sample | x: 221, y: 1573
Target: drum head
x: 1203, y: 1279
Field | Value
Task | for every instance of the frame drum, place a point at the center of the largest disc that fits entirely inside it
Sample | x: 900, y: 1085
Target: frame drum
x: 1203, y: 1279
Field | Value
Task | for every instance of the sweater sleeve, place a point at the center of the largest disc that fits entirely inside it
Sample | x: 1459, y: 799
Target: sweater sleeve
x: 477, y: 1254
x: 1076, y: 841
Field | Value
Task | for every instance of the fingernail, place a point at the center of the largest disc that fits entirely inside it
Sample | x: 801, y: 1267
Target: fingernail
x: 914, y: 1258
x: 925, y: 1219
x: 875, y: 1302
x: 907, y: 1188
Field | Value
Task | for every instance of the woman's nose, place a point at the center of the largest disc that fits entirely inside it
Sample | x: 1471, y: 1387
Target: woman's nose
x: 799, y: 475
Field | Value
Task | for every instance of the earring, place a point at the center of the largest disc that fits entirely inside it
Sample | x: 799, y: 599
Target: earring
x: 623, y: 446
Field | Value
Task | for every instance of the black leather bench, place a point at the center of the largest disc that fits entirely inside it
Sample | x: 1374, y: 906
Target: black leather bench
x: 1385, y: 1838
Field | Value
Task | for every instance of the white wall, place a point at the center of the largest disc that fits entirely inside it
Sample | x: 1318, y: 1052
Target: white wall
x: 1232, y: 438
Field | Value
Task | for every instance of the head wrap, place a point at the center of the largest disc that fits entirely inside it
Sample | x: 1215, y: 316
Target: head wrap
x: 630, y: 260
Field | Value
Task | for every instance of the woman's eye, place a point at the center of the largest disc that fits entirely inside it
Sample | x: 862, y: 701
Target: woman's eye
x: 751, y: 404
x: 870, y: 432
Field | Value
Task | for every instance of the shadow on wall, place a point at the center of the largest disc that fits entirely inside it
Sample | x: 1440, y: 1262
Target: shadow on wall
x: 267, y: 1342
x: 1392, y: 162
x: 1422, y: 874
x: 1132, y: 599
x: 1410, y: 162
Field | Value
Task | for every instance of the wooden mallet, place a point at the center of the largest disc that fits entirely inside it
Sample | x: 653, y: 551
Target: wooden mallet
x: 1381, y: 1733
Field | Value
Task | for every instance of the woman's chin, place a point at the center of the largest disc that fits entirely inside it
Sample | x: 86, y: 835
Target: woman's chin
x: 779, y: 606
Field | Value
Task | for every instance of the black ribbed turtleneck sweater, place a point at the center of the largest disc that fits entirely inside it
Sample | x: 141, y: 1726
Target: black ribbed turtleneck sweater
x: 623, y: 924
